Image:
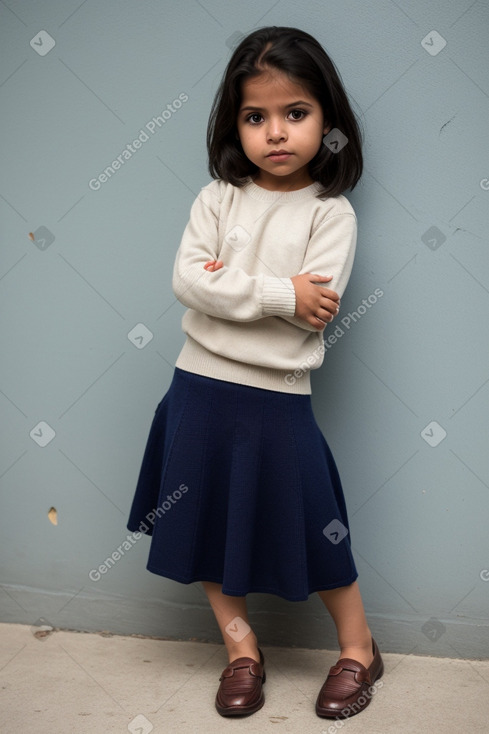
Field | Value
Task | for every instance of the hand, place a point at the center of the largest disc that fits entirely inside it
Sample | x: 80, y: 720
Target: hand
x: 213, y: 265
x: 315, y: 304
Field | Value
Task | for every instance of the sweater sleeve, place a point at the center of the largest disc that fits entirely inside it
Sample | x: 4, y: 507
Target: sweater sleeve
x: 331, y: 251
x: 228, y: 293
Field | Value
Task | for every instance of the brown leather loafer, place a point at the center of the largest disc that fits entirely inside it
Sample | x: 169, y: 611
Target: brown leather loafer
x: 240, y: 691
x: 347, y: 689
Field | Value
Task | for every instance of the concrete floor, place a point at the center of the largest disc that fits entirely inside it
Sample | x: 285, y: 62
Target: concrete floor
x: 82, y: 682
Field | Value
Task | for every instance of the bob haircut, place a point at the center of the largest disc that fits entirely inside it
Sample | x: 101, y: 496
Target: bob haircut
x: 303, y: 59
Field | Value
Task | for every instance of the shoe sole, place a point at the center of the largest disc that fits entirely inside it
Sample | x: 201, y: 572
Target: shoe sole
x: 240, y: 710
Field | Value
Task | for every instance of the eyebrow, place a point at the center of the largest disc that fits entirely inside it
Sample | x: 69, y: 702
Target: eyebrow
x: 292, y: 104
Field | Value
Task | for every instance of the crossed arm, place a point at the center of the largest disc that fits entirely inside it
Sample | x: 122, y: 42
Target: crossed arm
x: 315, y: 304
x: 203, y: 282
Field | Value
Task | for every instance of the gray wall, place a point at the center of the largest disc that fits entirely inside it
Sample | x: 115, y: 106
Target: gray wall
x: 402, y: 397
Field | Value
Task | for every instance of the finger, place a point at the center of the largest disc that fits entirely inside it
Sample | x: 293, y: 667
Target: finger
x: 328, y: 293
x: 327, y: 318
x: 209, y: 264
x: 331, y: 306
x: 315, y: 277
x: 318, y: 323
x: 327, y: 315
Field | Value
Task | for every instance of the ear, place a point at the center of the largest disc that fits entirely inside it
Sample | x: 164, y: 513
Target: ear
x: 326, y: 129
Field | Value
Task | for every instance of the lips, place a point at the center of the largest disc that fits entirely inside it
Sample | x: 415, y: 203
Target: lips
x: 279, y: 156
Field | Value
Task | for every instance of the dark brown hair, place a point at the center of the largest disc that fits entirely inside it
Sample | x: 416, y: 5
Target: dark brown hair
x: 303, y: 59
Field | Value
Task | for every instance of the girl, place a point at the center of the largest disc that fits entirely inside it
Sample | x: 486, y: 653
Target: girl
x: 238, y: 486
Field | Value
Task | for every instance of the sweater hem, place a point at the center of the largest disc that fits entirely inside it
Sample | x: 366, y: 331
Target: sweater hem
x: 196, y: 358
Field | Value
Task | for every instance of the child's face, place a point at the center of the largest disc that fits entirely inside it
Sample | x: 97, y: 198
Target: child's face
x: 277, y: 114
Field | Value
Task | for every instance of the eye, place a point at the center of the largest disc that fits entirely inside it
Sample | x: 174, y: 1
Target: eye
x: 252, y: 118
x: 297, y: 114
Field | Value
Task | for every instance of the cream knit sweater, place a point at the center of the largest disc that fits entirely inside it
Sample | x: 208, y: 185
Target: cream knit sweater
x: 240, y: 324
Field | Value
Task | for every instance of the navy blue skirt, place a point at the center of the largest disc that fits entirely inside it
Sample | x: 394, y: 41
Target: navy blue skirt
x: 238, y: 486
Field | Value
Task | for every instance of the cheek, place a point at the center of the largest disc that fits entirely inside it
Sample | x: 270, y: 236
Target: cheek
x: 241, y: 133
x: 247, y: 140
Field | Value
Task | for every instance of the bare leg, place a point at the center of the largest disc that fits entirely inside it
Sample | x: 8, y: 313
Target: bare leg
x: 226, y: 609
x: 346, y: 607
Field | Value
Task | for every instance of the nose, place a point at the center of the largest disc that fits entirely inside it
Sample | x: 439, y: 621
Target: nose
x: 276, y: 129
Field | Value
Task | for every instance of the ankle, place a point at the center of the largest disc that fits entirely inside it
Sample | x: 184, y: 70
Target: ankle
x: 246, y: 648
x: 358, y: 649
x: 361, y: 640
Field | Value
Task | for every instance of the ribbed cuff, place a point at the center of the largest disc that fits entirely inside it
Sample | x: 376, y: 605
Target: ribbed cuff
x: 278, y: 297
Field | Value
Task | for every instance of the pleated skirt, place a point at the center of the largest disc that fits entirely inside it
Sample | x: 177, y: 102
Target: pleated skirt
x: 238, y: 486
